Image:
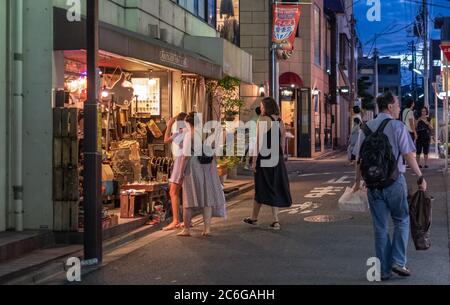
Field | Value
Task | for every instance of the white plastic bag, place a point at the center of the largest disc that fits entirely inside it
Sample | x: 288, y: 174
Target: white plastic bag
x: 354, y: 201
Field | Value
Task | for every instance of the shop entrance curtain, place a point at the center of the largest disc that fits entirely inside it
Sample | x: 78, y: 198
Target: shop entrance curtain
x: 193, y: 96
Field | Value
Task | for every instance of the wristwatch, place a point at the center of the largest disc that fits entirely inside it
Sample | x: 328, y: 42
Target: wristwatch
x: 420, y: 180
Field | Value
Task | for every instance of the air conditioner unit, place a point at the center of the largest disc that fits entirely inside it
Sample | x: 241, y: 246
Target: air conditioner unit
x: 154, y: 31
x: 164, y: 35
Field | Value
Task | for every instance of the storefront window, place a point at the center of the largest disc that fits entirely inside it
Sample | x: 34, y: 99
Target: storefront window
x: 228, y: 20
x: 147, y: 93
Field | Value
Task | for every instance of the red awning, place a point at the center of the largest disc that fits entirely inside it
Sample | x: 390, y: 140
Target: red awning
x: 291, y: 79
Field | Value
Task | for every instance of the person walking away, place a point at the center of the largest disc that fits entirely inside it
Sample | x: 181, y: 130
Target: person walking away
x: 271, y: 183
x: 409, y: 120
x: 424, y: 131
x: 200, y: 181
x: 353, y: 139
x: 382, y: 145
x: 174, y: 134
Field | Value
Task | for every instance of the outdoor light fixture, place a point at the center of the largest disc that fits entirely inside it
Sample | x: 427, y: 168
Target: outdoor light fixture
x: 292, y: 86
x: 105, y: 93
x: 262, y: 91
x: 344, y: 90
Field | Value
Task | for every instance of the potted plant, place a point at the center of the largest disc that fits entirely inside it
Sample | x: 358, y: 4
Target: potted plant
x: 228, y: 93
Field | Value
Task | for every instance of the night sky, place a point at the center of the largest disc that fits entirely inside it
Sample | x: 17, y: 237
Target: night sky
x: 396, y: 19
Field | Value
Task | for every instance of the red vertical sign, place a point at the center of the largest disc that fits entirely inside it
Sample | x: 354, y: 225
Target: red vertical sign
x: 446, y: 49
x: 285, y: 23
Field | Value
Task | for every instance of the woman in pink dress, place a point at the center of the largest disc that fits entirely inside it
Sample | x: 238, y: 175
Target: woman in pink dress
x: 175, y: 137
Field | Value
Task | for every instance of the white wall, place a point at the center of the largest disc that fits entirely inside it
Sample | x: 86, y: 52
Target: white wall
x: 3, y: 117
x: 37, y: 114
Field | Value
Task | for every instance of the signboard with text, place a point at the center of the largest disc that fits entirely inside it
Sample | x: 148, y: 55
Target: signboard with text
x: 285, y: 24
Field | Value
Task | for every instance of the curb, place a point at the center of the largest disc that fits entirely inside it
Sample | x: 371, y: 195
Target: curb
x: 55, y: 266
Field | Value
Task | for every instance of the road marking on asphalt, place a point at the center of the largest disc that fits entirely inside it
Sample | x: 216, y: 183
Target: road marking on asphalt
x: 341, y: 180
x: 320, y: 174
x: 319, y: 192
x: 302, y: 208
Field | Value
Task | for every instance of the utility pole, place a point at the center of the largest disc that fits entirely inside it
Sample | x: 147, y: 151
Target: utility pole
x: 414, y: 77
x: 272, y: 55
x: 93, y: 148
x: 425, y: 54
x: 375, y: 56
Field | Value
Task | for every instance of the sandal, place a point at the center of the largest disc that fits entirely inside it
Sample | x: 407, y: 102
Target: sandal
x: 275, y: 226
x: 171, y: 227
x: 250, y: 221
x: 184, y: 234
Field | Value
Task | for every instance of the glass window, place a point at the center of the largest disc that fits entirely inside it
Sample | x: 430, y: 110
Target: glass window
x: 191, y: 7
x: 228, y: 20
x: 182, y: 3
x: 317, y: 36
x: 212, y: 13
x: 201, y: 9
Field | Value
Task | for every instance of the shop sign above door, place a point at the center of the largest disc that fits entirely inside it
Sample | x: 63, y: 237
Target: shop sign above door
x: 173, y: 58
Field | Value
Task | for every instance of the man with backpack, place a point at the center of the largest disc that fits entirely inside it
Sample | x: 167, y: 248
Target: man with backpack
x: 383, y: 145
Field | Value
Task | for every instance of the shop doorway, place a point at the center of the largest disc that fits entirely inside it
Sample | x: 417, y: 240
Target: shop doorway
x: 288, y: 109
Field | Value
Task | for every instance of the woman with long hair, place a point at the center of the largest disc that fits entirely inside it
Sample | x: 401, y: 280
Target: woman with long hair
x: 201, y: 183
x: 271, y: 178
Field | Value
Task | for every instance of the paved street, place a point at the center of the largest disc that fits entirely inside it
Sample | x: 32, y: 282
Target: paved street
x: 301, y: 253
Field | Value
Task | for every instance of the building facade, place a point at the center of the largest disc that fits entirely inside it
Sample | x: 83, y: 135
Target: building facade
x: 389, y: 74
x: 158, y: 37
x: 317, y: 82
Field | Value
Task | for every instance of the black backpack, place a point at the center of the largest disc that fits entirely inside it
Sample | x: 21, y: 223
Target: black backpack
x: 204, y: 159
x: 377, y: 162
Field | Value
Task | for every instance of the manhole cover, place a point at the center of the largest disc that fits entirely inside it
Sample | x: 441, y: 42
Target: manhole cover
x: 327, y: 218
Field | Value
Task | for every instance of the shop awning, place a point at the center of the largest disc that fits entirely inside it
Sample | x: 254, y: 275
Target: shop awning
x: 291, y: 79
x: 72, y: 36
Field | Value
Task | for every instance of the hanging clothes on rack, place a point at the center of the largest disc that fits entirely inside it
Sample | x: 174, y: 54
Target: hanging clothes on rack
x: 226, y: 8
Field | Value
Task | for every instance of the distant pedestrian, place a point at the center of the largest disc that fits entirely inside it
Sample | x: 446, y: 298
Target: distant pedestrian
x: 271, y: 183
x: 424, y: 129
x: 409, y: 120
x: 354, y: 135
x: 383, y: 144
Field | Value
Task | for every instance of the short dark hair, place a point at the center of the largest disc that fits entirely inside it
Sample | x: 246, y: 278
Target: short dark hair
x: 383, y: 101
x: 270, y: 107
x: 356, y: 109
x: 409, y: 103
x: 181, y: 116
x: 258, y: 110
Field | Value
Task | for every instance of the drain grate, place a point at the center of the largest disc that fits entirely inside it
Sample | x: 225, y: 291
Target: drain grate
x: 328, y: 218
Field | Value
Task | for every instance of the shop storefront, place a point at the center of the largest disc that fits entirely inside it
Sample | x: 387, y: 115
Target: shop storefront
x: 143, y: 83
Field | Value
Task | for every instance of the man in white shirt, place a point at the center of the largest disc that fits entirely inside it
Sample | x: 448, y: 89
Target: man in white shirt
x: 409, y: 120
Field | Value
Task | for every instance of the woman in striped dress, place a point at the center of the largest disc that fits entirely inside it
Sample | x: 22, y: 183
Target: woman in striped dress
x: 201, y: 183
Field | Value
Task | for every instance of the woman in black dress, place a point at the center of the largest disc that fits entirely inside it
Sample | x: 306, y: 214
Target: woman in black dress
x: 424, y: 129
x: 271, y: 179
